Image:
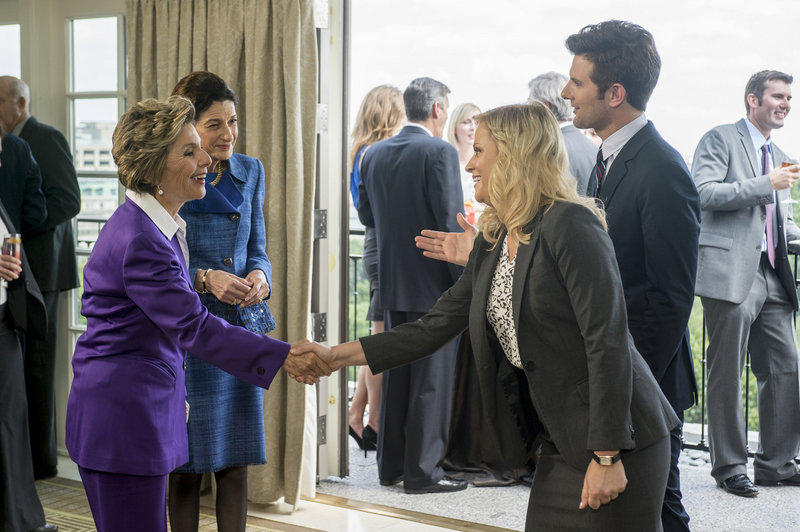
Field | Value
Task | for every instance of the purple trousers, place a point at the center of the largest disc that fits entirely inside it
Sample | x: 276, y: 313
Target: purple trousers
x: 126, y: 503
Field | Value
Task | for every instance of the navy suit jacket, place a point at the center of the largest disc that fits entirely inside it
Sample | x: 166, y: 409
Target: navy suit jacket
x: 126, y: 411
x: 410, y: 182
x: 653, y: 213
x: 51, y: 246
x: 21, y: 185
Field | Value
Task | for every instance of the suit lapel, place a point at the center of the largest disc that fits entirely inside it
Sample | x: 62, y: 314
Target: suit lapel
x: 522, y: 265
x: 619, y: 169
x: 747, y: 146
x: 485, y: 272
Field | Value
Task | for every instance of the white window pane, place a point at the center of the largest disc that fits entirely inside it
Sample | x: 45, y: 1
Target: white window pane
x: 94, y: 48
x: 10, y: 55
x: 99, y: 197
x: 94, y: 123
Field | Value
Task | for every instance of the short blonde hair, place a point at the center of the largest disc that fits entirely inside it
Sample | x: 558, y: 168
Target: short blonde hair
x: 380, y: 116
x: 531, y: 170
x: 143, y: 137
x: 461, y: 112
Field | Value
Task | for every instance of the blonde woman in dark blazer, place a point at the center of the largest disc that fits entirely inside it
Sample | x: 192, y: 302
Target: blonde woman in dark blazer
x: 542, y: 298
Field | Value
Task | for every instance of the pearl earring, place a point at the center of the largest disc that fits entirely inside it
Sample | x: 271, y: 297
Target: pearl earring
x: 160, y: 191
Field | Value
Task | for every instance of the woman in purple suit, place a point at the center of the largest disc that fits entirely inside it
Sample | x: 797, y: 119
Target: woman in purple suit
x: 126, y: 416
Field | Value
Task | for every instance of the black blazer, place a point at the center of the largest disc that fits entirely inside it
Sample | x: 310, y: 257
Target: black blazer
x: 410, y: 182
x: 653, y: 214
x: 51, y: 246
x: 25, y: 304
x: 589, y: 386
x: 21, y: 184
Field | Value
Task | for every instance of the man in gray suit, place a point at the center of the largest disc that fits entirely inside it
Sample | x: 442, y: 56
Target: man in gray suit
x: 747, y: 288
x: 546, y: 88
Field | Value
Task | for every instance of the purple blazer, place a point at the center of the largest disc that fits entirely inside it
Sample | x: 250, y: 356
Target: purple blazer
x: 126, y: 411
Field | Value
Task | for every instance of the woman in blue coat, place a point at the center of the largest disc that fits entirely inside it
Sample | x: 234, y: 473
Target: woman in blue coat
x: 228, y: 262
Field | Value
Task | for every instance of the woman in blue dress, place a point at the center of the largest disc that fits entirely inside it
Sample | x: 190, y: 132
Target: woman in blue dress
x: 228, y: 262
x: 380, y: 116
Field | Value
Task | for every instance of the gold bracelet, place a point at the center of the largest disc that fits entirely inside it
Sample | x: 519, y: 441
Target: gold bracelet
x: 203, y: 280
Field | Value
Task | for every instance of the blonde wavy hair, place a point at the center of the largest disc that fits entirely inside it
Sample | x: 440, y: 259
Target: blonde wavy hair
x: 143, y: 137
x: 380, y: 116
x: 531, y: 170
x: 461, y: 112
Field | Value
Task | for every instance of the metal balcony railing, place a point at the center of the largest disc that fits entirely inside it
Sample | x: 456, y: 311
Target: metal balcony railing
x: 359, y: 300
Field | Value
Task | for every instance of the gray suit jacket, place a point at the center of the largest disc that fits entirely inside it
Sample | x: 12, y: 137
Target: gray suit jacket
x: 582, y: 154
x: 733, y: 195
x: 589, y: 386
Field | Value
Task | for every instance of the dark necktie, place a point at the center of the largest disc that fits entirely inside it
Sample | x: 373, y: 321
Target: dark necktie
x: 769, y: 207
x: 600, y: 172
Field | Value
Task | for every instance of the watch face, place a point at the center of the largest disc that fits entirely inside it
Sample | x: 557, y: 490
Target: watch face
x: 606, y: 460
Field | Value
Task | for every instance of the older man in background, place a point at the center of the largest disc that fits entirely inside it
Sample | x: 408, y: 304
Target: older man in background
x: 546, y: 88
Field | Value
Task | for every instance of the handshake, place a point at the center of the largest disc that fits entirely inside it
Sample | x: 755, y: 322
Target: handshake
x: 308, y: 361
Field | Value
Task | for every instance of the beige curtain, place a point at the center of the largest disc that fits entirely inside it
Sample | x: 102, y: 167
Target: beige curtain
x: 266, y: 51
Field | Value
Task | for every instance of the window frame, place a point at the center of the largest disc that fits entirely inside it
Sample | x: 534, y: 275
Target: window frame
x: 75, y: 327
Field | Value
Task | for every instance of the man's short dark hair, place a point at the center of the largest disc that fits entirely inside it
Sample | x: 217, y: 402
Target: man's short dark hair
x: 758, y: 82
x: 620, y: 52
x: 420, y: 95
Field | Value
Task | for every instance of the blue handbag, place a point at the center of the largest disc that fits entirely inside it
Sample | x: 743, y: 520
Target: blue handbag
x: 257, y: 318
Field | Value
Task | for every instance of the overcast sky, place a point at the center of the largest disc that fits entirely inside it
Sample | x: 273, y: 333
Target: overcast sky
x: 487, y: 51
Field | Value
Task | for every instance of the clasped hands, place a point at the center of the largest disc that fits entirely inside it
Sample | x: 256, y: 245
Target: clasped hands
x: 308, y: 361
x: 235, y: 290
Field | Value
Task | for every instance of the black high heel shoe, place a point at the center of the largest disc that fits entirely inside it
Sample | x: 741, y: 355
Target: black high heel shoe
x: 358, y: 439
x: 370, y: 438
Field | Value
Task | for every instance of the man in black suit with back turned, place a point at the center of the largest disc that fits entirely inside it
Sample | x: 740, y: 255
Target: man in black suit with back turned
x: 410, y: 182
x: 51, y: 248
x: 652, y: 208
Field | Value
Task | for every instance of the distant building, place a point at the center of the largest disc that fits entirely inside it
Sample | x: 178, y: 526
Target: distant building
x: 99, y: 195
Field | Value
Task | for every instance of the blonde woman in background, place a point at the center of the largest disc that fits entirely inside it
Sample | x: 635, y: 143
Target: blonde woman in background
x: 380, y: 116
x: 461, y: 134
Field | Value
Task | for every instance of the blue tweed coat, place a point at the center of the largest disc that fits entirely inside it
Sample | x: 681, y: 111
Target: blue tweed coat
x: 225, y: 231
